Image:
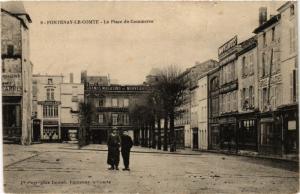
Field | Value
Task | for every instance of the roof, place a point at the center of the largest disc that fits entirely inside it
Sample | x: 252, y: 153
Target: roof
x: 267, y: 24
x: 247, y: 45
x: 17, y: 10
x: 284, y: 6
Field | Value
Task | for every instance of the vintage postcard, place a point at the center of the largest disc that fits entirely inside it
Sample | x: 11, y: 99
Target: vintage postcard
x: 149, y: 97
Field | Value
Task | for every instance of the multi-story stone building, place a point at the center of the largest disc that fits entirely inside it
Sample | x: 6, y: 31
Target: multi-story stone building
x: 182, y: 121
x: 71, y: 95
x: 270, y: 82
x: 47, y: 107
x: 288, y: 110
x: 112, y: 103
x: 16, y: 73
x: 248, y: 95
x: 228, y: 93
x: 203, y: 109
x: 213, y: 108
x: 277, y: 62
x: 196, y: 95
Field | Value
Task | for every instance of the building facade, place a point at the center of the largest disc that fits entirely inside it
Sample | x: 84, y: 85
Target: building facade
x: 16, y: 73
x: 228, y: 94
x: 270, y: 83
x: 196, y: 95
x: 47, y: 108
x: 182, y: 122
x: 71, y: 95
x: 288, y: 110
x: 213, y: 109
x: 247, y: 134
x: 113, y: 104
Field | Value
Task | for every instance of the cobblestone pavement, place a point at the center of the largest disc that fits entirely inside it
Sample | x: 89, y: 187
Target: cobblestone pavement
x: 62, y: 168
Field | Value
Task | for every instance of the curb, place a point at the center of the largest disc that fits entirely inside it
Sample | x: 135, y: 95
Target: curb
x: 250, y: 156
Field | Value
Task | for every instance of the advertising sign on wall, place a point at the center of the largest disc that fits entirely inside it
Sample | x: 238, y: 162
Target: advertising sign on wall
x: 11, y: 84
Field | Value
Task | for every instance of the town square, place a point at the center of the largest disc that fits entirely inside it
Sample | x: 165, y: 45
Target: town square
x: 150, y: 97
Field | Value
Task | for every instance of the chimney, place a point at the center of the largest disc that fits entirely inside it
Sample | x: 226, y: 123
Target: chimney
x: 71, y: 78
x: 262, y: 15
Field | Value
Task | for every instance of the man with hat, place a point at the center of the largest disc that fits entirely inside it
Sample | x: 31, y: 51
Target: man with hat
x: 113, y: 156
x: 126, y: 145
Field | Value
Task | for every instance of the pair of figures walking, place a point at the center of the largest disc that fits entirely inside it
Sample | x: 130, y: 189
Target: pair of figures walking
x: 114, y: 143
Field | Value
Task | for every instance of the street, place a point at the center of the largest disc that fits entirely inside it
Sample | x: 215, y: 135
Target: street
x: 62, y: 168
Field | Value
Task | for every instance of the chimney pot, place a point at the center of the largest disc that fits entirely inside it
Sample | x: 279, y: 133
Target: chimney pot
x: 262, y: 15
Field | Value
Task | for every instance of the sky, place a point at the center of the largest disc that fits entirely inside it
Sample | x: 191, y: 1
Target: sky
x: 181, y: 34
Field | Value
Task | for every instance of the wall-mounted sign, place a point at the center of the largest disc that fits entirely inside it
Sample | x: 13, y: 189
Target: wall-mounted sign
x: 227, y: 46
x: 228, y: 88
x: 95, y: 87
x: 11, y: 84
x: 291, y: 125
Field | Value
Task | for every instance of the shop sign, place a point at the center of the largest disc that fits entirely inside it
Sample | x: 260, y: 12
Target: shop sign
x: 228, y: 59
x: 11, y: 84
x: 96, y: 87
x: 227, y: 46
x: 291, y: 125
x: 228, y: 88
x: 50, y: 122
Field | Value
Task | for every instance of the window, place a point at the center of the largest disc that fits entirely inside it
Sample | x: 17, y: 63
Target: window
x: 244, y: 66
x: 101, y: 102
x: 121, y: 102
x: 126, y: 102
x: 243, y: 96
x: 10, y: 50
x: 50, y: 94
x: 108, y: 102
x: 273, y: 33
x: 50, y: 111
x: 74, y: 98
x: 101, y: 118
x: 114, y: 102
x: 264, y: 39
x: 292, y: 10
x: 265, y: 98
x: 263, y: 57
x: 292, y: 40
x: 50, y: 81
x: 126, y: 119
x: 114, y: 119
x: 251, y: 96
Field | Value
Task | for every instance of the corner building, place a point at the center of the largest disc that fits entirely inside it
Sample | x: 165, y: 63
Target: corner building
x: 16, y: 73
x: 113, y: 104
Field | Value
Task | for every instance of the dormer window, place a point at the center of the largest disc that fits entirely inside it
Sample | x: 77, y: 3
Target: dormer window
x: 50, y: 81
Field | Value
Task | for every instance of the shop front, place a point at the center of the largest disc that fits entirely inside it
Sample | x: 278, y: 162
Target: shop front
x: 247, y: 131
x: 11, y: 118
x: 228, y: 129
x: 51, y: 131
x: 214, y: 136
x: 270, y: 133
x: 69, y: 132
x: 290, y: 130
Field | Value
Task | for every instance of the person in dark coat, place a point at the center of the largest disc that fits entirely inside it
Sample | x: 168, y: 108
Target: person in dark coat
x: 113, y: 156
x: 126, y: 145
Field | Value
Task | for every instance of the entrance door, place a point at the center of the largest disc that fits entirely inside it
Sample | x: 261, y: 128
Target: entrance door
x: 11, y: 118
x: 195, y: 138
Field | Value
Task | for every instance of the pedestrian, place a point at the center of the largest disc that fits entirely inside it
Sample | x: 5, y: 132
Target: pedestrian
x: 126, y: 145
x: 113, y: 156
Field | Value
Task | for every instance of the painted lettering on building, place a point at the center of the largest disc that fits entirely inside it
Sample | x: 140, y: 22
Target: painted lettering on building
x: 11, y: 84
x: 227, y: 46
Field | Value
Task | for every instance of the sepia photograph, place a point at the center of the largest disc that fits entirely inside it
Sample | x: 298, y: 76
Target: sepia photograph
x: 178, y: 97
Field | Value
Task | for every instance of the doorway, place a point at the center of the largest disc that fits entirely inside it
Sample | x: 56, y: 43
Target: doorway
x: 195, y: 138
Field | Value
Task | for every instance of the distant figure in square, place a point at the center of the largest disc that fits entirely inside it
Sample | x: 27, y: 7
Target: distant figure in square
x: 126, y: 145
x: 113, y: 156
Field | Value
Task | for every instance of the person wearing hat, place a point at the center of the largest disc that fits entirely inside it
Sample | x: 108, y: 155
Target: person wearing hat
x: 113, y: 156
x: 126, y: 145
